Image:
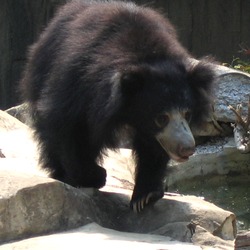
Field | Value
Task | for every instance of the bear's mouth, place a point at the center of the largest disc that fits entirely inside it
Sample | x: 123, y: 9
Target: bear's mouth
x: 177, y: 157
x: 172, y: 155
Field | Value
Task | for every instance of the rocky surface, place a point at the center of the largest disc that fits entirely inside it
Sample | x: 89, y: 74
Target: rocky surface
x: 31, y: 204
x: 242, y: 241
x: 34, y: 205
x: 218, y: 158
x: 232, y: 88
x: 97, y: 237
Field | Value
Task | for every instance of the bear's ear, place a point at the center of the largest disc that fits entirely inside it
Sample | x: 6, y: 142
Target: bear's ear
x: 201, y: 78
x: 132, y: 81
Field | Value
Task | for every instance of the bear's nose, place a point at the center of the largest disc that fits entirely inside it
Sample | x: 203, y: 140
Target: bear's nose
x: 186, y: 151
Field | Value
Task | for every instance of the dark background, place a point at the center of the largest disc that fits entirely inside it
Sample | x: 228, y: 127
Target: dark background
x: 205, y: 27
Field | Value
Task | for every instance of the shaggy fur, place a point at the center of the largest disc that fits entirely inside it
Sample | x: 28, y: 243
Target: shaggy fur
x: 97, y: 67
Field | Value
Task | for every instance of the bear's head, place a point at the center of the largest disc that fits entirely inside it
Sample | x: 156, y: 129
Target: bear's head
x: 164, y: 99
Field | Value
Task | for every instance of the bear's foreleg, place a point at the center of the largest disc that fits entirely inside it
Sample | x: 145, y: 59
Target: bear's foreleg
x: 150, y: 174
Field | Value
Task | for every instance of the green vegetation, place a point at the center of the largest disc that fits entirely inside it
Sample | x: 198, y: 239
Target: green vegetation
x: 239, y: 64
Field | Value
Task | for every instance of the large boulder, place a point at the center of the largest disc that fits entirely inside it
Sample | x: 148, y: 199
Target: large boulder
x: 16, y: 139
x: 232, y: 88
x: 32, y: 204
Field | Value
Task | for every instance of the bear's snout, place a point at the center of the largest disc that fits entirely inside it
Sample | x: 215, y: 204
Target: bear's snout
x: 186, y: 151
x: 176, y: 138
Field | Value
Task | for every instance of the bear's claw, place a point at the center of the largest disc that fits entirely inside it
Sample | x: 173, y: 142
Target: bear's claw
x: 138, y: 205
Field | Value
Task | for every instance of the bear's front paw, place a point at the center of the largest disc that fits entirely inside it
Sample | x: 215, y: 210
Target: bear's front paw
x: 137, y: 204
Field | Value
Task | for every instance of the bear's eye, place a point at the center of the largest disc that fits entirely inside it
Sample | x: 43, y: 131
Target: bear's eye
x: 188, y: 116
x: 162, y: 120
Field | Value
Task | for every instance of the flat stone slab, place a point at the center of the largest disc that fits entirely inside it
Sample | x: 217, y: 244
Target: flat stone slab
x: 32, y: 205
x: 93, y: 236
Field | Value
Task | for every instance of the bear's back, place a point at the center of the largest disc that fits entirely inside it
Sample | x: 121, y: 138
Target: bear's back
x: 90, y: 41
x: 125, y: 28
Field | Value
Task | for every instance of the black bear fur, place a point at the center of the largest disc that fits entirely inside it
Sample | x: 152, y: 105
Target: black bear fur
x: 97, y: 67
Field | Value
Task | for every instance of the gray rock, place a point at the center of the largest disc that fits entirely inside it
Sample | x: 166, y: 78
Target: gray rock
x: 97, y: 237
x: 21, y: 113
x: 32, y: 204
x: 233, y: 89
x: 212, y: 159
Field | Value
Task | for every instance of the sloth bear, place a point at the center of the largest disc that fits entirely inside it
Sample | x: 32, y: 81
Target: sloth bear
x: 100, y: 66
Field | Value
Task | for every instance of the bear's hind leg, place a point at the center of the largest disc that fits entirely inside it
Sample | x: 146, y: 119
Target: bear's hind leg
x: 82, y: 170
x: 70, y: 159
x: 86, y: 174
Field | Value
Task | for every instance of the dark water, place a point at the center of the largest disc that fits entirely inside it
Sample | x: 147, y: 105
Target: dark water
x: 228, y: 192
